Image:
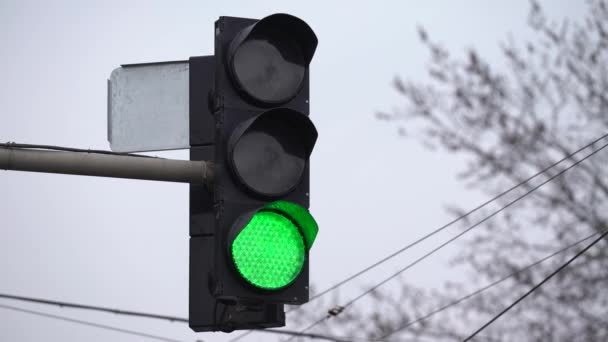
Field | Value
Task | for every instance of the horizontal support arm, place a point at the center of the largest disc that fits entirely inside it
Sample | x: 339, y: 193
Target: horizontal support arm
x: 106, y: 165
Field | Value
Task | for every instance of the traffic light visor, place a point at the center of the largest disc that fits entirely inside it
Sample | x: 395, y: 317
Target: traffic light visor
x: 268, y: 60
x: 269, y: 248
x: 269, y: 152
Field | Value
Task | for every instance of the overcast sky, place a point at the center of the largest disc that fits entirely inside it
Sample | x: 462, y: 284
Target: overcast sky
x: 124, y: 243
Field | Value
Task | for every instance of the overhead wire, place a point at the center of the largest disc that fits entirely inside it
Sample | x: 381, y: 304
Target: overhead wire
x: 295, y: 334
x: 434, y: 250
x: 454, y: 221
x: 310, y: 326
x: 69, y: 149
x: 485, y: 288
x: 92, y: 308
x: 536, y: 287
x: 153, y: 316
x: 508, y: 205
x: 90, y: 324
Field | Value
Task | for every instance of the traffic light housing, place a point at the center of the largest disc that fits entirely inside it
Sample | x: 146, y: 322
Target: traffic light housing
x: 251, y: 232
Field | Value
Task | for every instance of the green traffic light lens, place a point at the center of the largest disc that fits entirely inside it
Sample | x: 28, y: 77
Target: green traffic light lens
x: 270, y: 251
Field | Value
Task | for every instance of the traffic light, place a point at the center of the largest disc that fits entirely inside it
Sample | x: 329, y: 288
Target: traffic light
x: 249, y: 115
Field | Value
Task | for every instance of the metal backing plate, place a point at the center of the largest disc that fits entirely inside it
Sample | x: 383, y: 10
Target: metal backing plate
x: 148, y: 107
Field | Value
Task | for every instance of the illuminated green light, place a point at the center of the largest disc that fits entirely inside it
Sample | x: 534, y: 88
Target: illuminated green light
x: 270, y: 251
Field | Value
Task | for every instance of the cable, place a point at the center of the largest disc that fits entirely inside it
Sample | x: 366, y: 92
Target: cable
x: 93, y: 308
x: 69, y: 149
x: 91, y: 324
x: 150, y: 315
x: 466, y: 297
x: 559, y: 269
x: 246, y: 333
x: 373, y: 288
x: 480, y: 290
x: 472, y: 227
x: 459, y: 218
x: 314, y: 324
x: 295, y: 334
x: 434, y: 232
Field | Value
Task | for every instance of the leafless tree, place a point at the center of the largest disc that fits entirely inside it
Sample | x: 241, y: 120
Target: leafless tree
x: 509, y: 121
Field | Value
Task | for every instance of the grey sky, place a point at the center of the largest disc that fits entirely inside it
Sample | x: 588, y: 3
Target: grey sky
x: 124, y: 244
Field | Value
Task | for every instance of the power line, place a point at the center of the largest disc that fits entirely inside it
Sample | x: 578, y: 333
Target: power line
x: 468, y: 296
x: 559, y: 269
x: 154, y: 316
x: 474, y: 226
x: 295, y: 334
x: 373, y: 288
x: 312, y: 325
x: 93, y: 308
x: 487, y: 287
x: 243, y: 335
x: 91, y: 324
x: 68, y: 149
x: 456, y: 220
